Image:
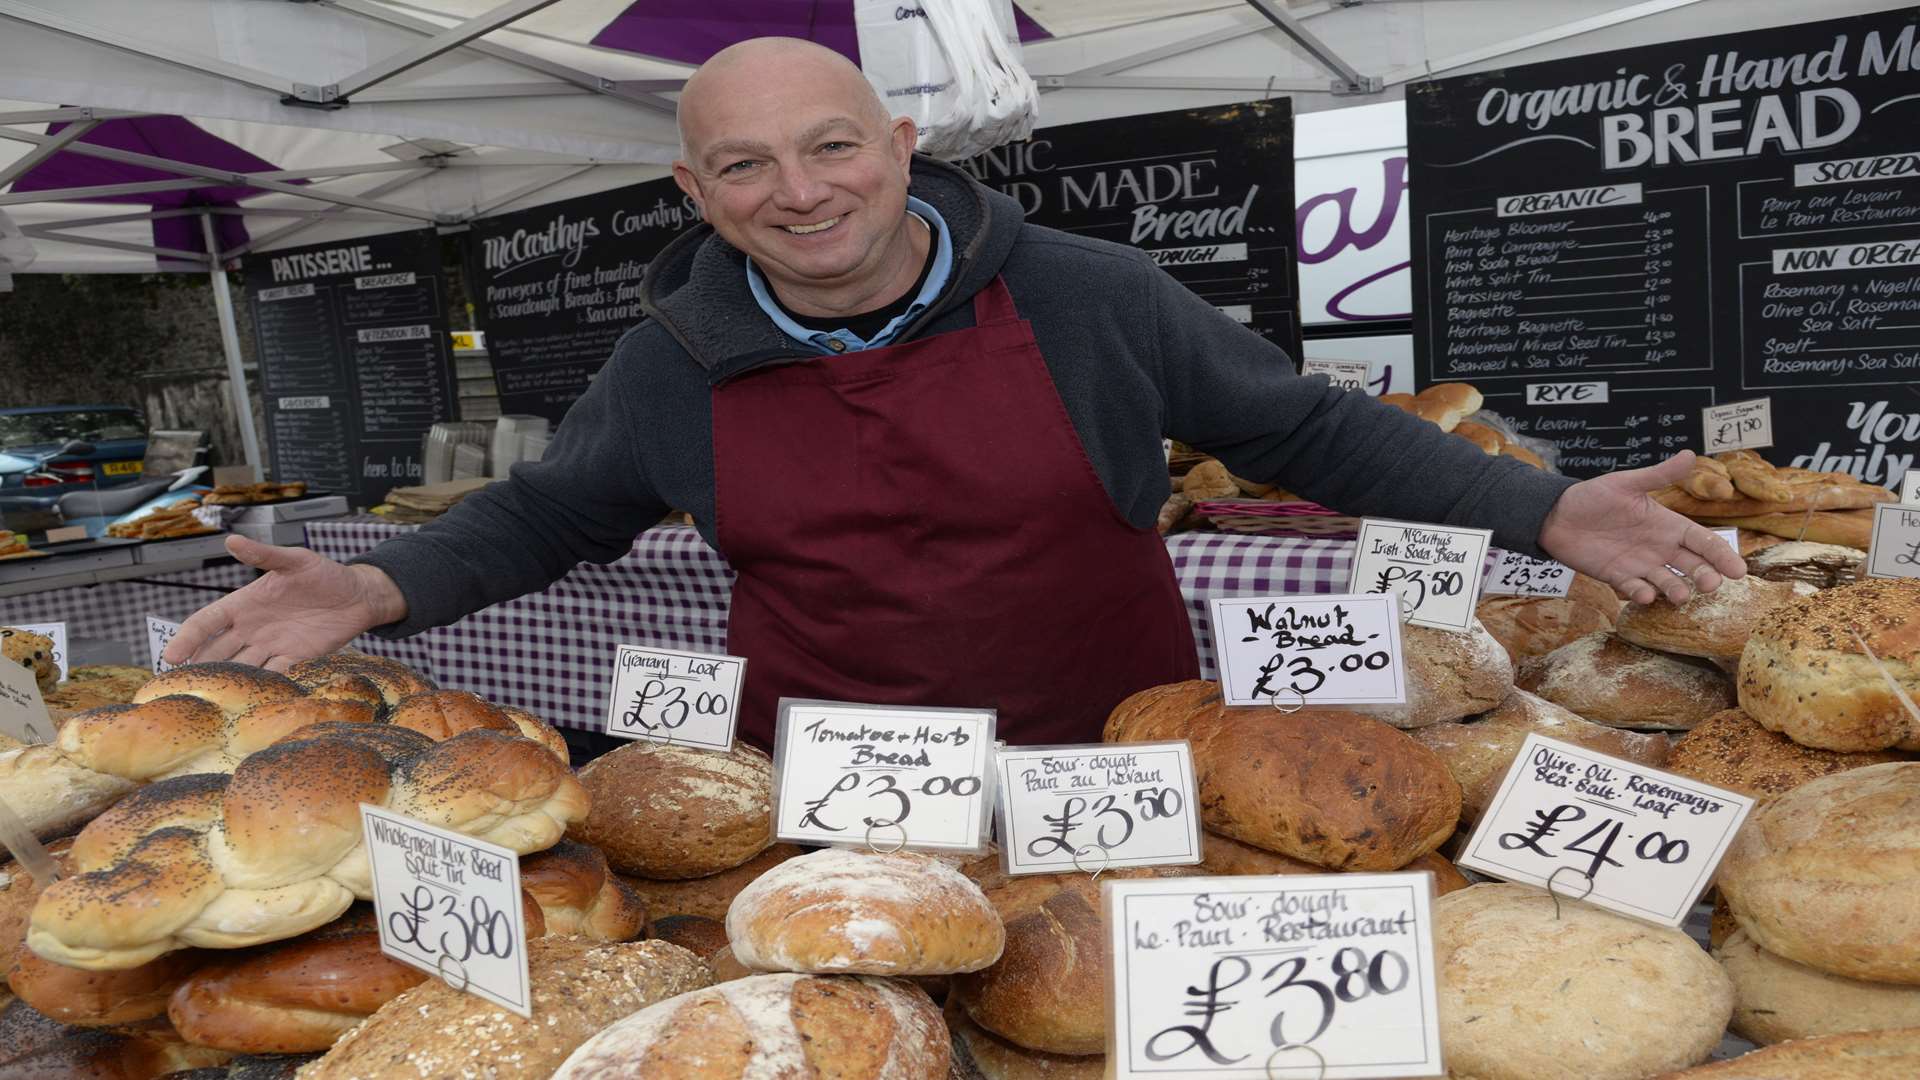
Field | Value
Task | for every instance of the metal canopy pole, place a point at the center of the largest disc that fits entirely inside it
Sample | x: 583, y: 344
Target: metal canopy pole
x: 1539, y: 37
x: 46, y: 150
x: 1349, y: 80
x: 230, y: 340
x: 445, y: 41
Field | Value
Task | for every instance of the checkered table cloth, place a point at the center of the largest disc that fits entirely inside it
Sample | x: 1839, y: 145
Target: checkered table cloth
x: 118, y: 610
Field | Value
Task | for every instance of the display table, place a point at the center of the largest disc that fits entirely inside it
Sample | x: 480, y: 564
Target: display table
x: 117, y: 609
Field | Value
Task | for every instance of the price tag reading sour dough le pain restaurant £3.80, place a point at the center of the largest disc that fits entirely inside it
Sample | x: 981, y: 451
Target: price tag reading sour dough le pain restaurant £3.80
x: 688, y: 699
x: 1063, y: 808
x: 1271, y: 978
x: 882, y: 777
x: 1742, y: 425
x: 1646, y: 841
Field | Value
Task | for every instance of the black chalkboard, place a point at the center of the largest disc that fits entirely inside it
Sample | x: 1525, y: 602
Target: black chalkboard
x: 1207, y: 192
x: 557, y: 285
x: 1678, y: 225
x: 354, y: 360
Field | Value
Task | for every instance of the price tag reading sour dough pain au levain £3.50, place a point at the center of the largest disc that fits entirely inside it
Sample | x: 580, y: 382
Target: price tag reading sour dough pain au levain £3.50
x: 1087, y: 808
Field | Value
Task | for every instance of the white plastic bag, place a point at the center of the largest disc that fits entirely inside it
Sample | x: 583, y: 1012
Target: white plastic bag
x: 953, y: 66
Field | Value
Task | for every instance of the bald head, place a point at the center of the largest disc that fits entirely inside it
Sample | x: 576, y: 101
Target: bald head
x: 803, y: 69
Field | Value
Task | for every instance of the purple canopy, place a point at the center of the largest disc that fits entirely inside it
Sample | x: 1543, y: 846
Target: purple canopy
x: 690, y: 31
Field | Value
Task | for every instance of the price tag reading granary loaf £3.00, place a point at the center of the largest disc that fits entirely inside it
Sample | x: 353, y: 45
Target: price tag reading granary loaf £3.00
x: 1293, y: 651
x: 1270, y: 978
x: 449, y: 905
x: 1087, y: 808
x: 881, y: 777
x: 666, y: 696
x: 1434, y: 569
x: 1618, y: 835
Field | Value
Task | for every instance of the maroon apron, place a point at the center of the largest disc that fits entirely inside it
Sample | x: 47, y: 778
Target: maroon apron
x: 918, y: 524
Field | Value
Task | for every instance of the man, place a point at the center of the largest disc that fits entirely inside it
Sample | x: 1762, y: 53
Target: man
x: 927, y: 437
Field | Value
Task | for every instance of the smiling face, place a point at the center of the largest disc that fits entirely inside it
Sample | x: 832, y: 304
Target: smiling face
x: 793, y: 160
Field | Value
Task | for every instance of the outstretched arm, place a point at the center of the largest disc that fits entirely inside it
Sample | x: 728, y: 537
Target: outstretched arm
x: 305, y: 605
x: 1609, y: 528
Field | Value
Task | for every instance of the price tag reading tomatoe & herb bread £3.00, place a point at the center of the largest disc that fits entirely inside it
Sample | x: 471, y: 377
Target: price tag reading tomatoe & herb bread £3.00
x: 1290, y: 651
x: 1434, y: 569
x: 1618, y: 835
x: 1272, y: 978
x: 881, y: 777
x: 665, y: 696
x: 1514, y: 574
x: 1087, y: 808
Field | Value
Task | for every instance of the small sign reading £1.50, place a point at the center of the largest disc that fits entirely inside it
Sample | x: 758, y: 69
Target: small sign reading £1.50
x: 881, y: 777
x: 1434, y: 569
x: 1514, y: 574
x: 688, y: 699
x: 1741, y: 425
x: 1616, y: 834
x: 449, y: 905
x: 1894, y: 551
x: 1272, y: 978
x: 1062, y: 808
x: 1290, y: 651
x: 1343, y: 374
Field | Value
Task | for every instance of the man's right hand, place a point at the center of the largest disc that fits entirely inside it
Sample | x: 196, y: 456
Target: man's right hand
x: 305, y: 605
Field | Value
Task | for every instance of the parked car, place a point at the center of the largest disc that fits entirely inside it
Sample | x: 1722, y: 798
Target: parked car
x: 39, y: 463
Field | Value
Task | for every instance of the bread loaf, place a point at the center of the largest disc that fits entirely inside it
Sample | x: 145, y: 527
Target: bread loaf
x: 233, y: 688
x: 35, y: 1047
x: 676, y: 812
x: 708, y: 896
x: 1209, y: 480
x: 1823, y: 566
x: 979, y: 1054
x: 1828, y: 874
x: 1708, y: 625
x: 1610, y: 681
x: 1776, y: 1000
x: 1805, y: 675
x: 1449, y: 675
x: 100, y: 998
x: 856, y: 912
x: 1446, y: 404
x: 700, y: 936
x: 1336, y: 789
x: 579, y: 895
x: 795, y: 1027
x: 442, y: 714
x: 1227, y: 857
x: 1529, y: 991
x: 1869, y: 1055
x: 1845, y: 528
x: 1805, y: 491
x: 393, y: 679
x: 1729, y: 750
x: 53, y: 794
x: 1535, y: 625
x: 726, y: 967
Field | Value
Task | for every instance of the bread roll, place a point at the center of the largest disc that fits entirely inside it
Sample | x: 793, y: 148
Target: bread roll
x: 1869, y: 1055
x: 796, y: 1027
x: 1829, y: 874
x: 233, y: 688
x: 979, y: 1054
x: 1804, y: 674
x: 1446, y: 404
x: 577, y: 894
x: 1536, y: 625
x: 1485, y: 438
x: 854, y: 912
x: 1333, y: 788
x: 1708, y: 625
x: 1527, y: 993
x: 1776, y: 1000
x: 1209, y: 480
x: 1729, y: 750
x: 100, y: 998
x: 699, y: 936
x: 1823, y: 566
x: 709, y: 896
x: 1227, y: 857
x: 663, y: 811
x: 394, y: 679
x: 1610, y: 681
x: 1449, y: 675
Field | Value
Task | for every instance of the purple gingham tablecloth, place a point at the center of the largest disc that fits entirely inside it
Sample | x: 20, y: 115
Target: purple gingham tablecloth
x: 118, y: 610
x: 1211, y: 565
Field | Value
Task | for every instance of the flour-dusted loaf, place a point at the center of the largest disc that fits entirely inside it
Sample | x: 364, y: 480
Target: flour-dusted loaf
x: 708, y: 896
x: 1709, y: 625
x: 1823, y: 566
x: 1610, y: 681
x: 53, y: 794
x: 979, y: 1054
x: 1450, y: 674
x: 579, y: 895
x: 1729, y: 750
x: 1227, y: 857
x: 775, y: 1027
x: 1869, y: 1055
x: 1536, y: 625
x: 1776, y: 999
x: 1531, y: 992
x: 1828, y: 874
x: 676, y: 812
x: 856, y: 912
x: 1805, y: 675
x: 1334, y: 788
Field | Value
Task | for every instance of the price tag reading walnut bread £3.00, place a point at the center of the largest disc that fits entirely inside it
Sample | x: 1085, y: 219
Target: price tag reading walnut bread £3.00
x: 1434, y: 569
x: 1741, y: 425
x: 881, y: 777
x: 1514, y: 574
x: 1268, y: 978
x: 1087, y: 808
x: 1290, y: 651
x: 665, y: 696
x: 1618, y: 835
x: 449, y: 905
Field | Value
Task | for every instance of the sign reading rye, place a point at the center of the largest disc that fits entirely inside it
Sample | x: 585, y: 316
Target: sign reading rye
x: 1697, y: 223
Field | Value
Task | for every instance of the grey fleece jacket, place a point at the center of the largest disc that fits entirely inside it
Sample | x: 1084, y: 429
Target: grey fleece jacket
x: 1133, y: 354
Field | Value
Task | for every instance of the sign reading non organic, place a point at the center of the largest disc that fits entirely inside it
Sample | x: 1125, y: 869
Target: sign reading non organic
x: 1317, y: 650
x: 882, y: 777
x: 1742, y: 425
x: 1645, y: 841
x: 689, y: 699
x: 1894, y: 551
x: 1064, y: 808
x: 1271, y: 978
x: 23, y: 712
x: 159, y: 633
x: 1514, y: 574
x: 1345, y: 374
x: 1434, y: 569
x: 57, y: 632
x: 449, y: 905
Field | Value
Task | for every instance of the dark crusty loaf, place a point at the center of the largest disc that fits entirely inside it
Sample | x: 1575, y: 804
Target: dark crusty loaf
x: 1729, y: 750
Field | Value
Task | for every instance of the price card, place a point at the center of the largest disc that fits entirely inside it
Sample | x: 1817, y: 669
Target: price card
x: 882, y: 777
x: 1267, y: 978
x: 1731, y: 536
x: 1328, y: 650
x: 1434, y: 569
x: 1647, y: 841
x: 1065, y: 808
x: 688, y: 699
x: 1894, y: 551
x: 1742, y: 425
x: 449, y: 905
x: 57, y: 633
x: 1344, y: 374
x: 66, y: 535
x: 23, y: 712
x: 1514, y: 574
x: 1910, y: 488
x: 159, y: 632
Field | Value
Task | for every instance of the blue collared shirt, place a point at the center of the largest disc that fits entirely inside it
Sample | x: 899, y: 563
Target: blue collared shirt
x: 821, y: 340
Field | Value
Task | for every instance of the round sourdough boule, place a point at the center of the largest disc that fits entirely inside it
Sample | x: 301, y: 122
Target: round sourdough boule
x: 1776, y: 1000
x: 1709, y: 625
x: 1450, y: 674
x: 700, y: 936
x: 677, y: 812
x: 1537, y: 625
x: 708, y: 896
x: 854, y: 912
x: 1829, y: 874
x: 1823, y: 566
x: 1588, y: 995
x: 1227, y: 857
x: 1861, y: 1055
x: 980, y: 1053
x: 1804, y: 676
x: 1729, y: 750
x: 1610, y: 681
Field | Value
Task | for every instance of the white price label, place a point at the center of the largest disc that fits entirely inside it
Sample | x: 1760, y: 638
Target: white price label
x: 1894, y: 551
x: 688, y: 699
x: 23, y: 712
x: 449, y: 905
x: 1272, y: 978
x: 1567, y: 393
x: 1743, y: 425
x: 66, y: 535
x: 1514, y: 574
x: 1065, y: 808
x: 1434, y: 569
x: 1910, y: 488
x: 159, y: 632
x: 882, y: 777
x: 1325, y: 650
x: 1731, y: 536
x: 57, y: 632
x: 1344, y: 374
x: 1647, y: 842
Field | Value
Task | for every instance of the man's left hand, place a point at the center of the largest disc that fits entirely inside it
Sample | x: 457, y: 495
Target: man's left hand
x: 1608, y: 528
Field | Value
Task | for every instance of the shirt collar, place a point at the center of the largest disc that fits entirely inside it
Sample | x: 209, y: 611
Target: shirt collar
x: 844, y: 340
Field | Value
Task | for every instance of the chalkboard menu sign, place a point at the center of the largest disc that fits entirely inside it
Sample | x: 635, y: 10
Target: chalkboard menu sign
x: 557, y: 285
x: 354, y: 360
x: 1605, y: 245
x: 1208, y: 193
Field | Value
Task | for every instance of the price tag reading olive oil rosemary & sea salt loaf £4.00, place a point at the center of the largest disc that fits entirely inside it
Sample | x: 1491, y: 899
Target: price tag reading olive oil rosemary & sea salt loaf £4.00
x: 1293, y: 651
x: 881, y: 777
x: 1434, y: 569
x: 1616, y: 834
x: 1272, y: 978
x: 665, y: 696
x: 1089, y: 808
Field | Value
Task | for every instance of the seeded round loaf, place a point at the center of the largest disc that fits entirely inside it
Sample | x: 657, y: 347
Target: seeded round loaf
x: 1729, y: 750
x: 1708, y: 625
x: 676, y: 812
x: 1805, y: 676
x: 1776, y: 1000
